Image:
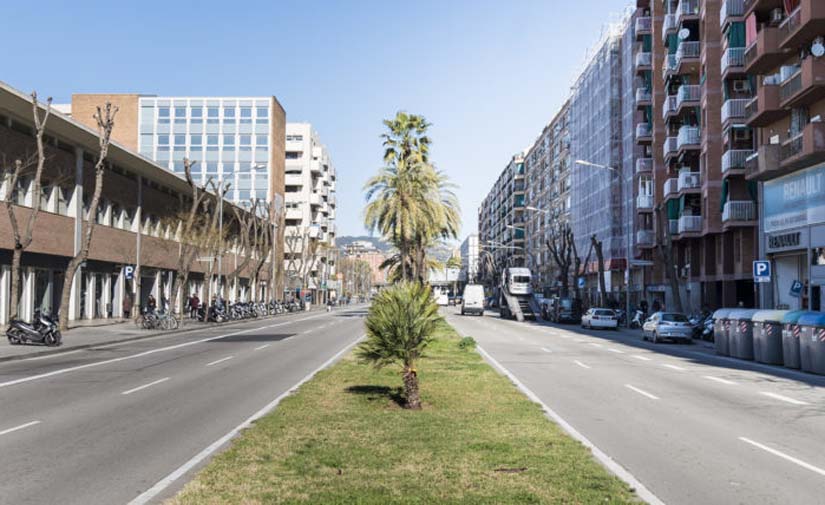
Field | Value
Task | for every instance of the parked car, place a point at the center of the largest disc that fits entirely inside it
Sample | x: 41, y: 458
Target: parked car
x: 668, y: 326
x: 473, y: 300
x: 565, y: 310
x: 600, y: 318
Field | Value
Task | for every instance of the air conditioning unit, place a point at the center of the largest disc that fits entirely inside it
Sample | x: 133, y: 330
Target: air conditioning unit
x: 742, y: 134
x: 741, y: 86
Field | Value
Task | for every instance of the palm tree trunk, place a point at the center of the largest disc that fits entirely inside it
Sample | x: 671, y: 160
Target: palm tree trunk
x: 411, y: 388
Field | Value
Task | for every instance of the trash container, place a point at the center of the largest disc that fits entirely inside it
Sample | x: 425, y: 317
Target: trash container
x: 720, y: 331
x: 740, y: 334
x: 790, y: 338
x: 812, y: 342
x: 767, y: 336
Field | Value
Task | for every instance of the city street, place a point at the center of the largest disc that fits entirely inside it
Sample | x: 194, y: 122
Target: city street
x: 690, y: 426
x: 107, y: 424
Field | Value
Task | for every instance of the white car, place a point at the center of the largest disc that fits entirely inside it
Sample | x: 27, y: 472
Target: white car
x: 600, y: 318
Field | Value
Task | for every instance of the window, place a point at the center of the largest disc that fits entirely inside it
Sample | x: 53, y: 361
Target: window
x: 196, y: 112
x: 246, y: 112
x: 163, y: 112
x: 195, y: 140
x: 180, y: 112
x: 229, y: 112
x: 212, y: 112
x: 261, y: 140
x: 229, y: 140
x: 212, y: 140
x: 293, y: 155
x: 262, y: 112
x: 163, y: 140
x: 180, y: 140
x: 246, y: 140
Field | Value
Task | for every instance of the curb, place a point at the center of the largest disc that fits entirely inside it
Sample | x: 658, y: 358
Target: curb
x: 78, y: 347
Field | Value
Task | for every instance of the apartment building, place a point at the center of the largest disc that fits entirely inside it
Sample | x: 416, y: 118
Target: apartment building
x: 784, y: 48
x: 309, y: 260
x: 469, y: 259
x: 501, y: 226
x: 133, y: 252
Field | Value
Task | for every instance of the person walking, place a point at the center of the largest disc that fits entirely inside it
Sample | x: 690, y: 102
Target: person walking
x: 194, y: 303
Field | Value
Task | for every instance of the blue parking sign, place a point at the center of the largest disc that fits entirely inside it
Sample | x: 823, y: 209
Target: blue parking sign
x: 761, y: 271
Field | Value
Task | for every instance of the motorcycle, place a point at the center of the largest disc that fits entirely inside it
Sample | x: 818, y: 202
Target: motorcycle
x: 42, y: 330
x: 638, y: 319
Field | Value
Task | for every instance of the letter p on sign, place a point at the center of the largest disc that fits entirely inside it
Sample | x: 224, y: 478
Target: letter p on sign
x: 761, y: 271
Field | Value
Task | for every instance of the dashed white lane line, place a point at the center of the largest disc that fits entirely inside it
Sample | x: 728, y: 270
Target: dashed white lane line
x: 135, y: 390
x: 783, y: 398
x: 21, y: 427
x: 565, y: 336
x: 262, y: 347
x: 674, y: 367
x: 719, y: 380
x: 595, y: 344
x: 617, y: 351
x: 581, y: 364
x: 546, y: 349
x: 784, y: 456
x: 641, y: 392
x: 643, y: 358
x: 220, y: 360
x: 580, y: 341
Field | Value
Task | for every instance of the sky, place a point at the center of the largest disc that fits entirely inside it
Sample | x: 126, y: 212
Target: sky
x: 488, y: 75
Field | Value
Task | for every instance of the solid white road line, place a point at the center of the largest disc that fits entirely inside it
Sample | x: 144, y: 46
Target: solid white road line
x: 581, y: 364
x: 782, y: 455
x: 580, y: 341
x: 783, y: 398
x: 130, y: 391
x: 21, y: 427
x: 262, y: 347
x: 609, y: 463
x: 144, y: 353
x: 617, y: 351
x: 720, y: 380
x: 220, y: 360
x: 546, y: 349
x: 674, y: 367
x: 641, y: 392
x: 643, y: 358
x: 563, y: 335
x: 162, y: 484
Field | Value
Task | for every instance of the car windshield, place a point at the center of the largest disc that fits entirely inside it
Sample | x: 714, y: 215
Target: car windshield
x: 674, y: 318
x: 567, y: 304
x: 605, y: 312
x: 521, y: 279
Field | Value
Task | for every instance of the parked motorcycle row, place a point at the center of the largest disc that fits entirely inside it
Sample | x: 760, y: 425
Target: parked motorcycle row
x: 219, y: 312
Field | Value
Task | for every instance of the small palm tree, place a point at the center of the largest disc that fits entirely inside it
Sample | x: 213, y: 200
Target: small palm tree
x: 400, y: 324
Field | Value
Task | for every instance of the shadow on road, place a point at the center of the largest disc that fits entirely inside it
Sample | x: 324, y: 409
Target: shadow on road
x: 359, y: 313
x: 259, y: 337
x: 372, y: 393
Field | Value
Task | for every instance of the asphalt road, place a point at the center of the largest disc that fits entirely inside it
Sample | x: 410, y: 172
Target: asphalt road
x: 691, y: 427
x: 106, y: 424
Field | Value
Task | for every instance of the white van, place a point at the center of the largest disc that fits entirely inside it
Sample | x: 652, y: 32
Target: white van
x: 472, y: 301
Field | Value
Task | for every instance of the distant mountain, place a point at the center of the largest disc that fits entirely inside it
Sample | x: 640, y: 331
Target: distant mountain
x: 344, y: 241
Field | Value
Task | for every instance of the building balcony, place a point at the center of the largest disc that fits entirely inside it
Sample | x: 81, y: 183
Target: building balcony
x: 804, y: 87
x: 687, y: 9
x: 670, y: 147
x: 731, y: 11
x: 669, y: 106
x: 733, y: 161
x: 687, y: 52
x: 688, y: 181
x: 645, y: 238
x: 734, y: 108
x: 673, y: 226
x: 644, y: 165
x: 643, y: 97
x: 643, y: 132
x: 668, y: 65
x: 764, y: 54
x: 803, y: 24
x: 315, y: 199
x: 644, y: 26
x: 689, y: 137
x: 764, y: 108
x: 315, y: 167
x: 643, y: 60
x: 733, y: 61
x: 669, y: 25
x: 761, y: 5
x: 690, y: 224
x: 688, y: 95
x: 644, y: 202
x: 671, y: 188
x: 743, y: 212
x: 331, y: 200
x: 293, y: 180
x: 294, y: 214
x: 764, y: 164
x: 807, y: 148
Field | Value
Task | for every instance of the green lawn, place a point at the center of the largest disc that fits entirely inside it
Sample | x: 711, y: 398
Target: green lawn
x: 342, y: 439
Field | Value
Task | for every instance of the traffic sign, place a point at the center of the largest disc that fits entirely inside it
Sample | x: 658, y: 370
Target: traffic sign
x: 761, y: 271
x: 581, y: 282
x: 796, y: 289
x: 129, y: 272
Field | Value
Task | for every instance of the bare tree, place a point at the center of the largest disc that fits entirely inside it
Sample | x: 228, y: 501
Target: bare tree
x: 11, y: 176
x: 561, y: 247
x: 597, y: 246
x: 579, y: 266
x: 211, y: 238
x: 262, y: 245
x: 303, y: 249
x: 664, y: 247
x: 105, y: 118
x: 247, y: 225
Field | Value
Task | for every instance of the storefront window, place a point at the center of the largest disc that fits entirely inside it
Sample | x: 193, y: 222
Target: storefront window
x: 818, y: 256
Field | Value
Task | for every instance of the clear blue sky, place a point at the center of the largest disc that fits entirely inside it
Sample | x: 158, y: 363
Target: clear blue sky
x: 488, y: 74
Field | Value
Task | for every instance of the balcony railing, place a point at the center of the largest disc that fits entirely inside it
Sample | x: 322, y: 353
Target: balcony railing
x: 669, y: 106
x: 669, y: 25
x: 642, y: 131
x: 671, y: 146
x: 804, y: 23
x: 671, y: 187
x: 734, y: 159
x: 644, y: 202
x: 687, y: 49
x: 689, y: 224
x: 739, y: 211
x: 642, y: 95
x: 734, y: 109
x: 688, y: 136
x: 688, y: 93
x: 643, y: 25
x: 643, y: 59
x: 806, y: 148
x: 688, y: 180
x: 790, y: 24
x: 644, y: 165
x: 645, y: 237
x: 673, y: 226
x: 687, y: 8
x: 764, y: 53
x: 731, y: 8
x: 733, y: 57
x: 669, y: 65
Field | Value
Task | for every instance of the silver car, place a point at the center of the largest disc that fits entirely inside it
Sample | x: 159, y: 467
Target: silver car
x: 668, y: 326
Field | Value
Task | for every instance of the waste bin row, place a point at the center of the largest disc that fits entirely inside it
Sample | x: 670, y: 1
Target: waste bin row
x: 795, y: 338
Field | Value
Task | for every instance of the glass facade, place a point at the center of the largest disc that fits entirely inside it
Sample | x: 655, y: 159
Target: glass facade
x: 227, y: 138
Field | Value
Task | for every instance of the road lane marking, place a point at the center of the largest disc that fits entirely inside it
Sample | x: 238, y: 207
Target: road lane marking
x: 720, y: 380
x: 621, y: 472
x: 546, y: 349
x: 782, y: 455
x: 565, y: 336
x: 783, y: 398
x: 617, y: 351
x: 674, y: 367
x: 643, y: 358
x: 262, y: 347
x: 21, y: 427
x: 182, y: 470
x: 595, y: 344
x: 581, y: 364
x: 144, y: 353
x: 580, y: 341
x: 220, y: 360
x: 134, y: 390
x: 641, y: 392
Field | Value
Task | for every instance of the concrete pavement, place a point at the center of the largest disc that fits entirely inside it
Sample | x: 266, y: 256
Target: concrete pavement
x: 690, y: 426
x: 106, y: 424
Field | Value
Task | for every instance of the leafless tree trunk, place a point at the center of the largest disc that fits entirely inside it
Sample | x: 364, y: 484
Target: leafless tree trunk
x: 579, y: 267
x: 105, y: 123
x: 597, y: 246
x: 664, y: 246
x: 561, y: 249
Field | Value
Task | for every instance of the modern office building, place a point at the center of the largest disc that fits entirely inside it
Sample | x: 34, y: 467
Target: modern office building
x: 784, y: 56
x: 501, y: 220
x: 133, y: 251
x: 469, y: 259
x: 310, y: 210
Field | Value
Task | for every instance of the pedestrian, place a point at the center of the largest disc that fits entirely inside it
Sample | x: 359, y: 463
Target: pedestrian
x: 127, y: 306
x: 656, y: 306
x: 194, y: 303
x: 151, y: 304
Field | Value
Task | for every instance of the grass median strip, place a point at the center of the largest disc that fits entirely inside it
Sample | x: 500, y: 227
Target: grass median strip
x: 344, y: 439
